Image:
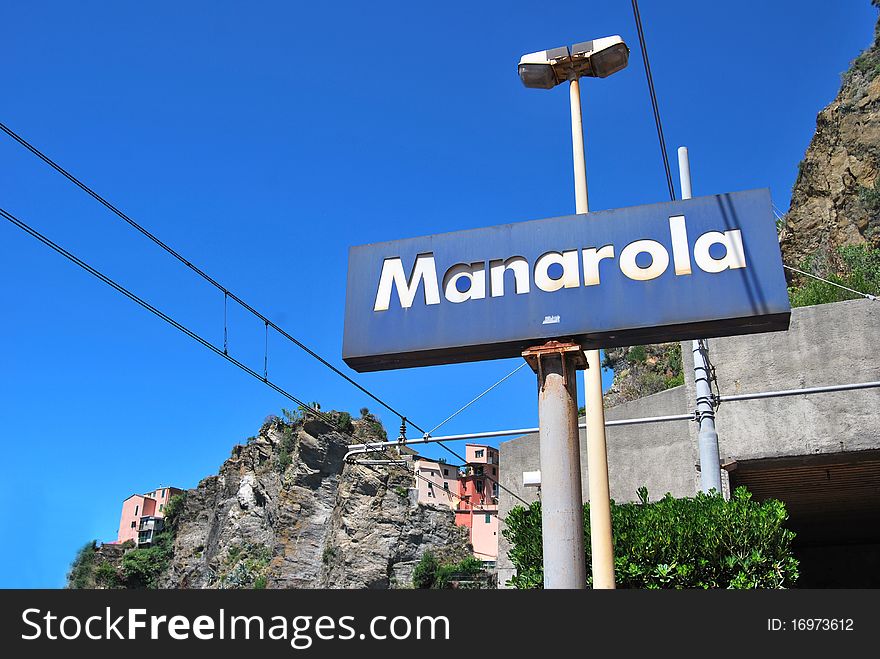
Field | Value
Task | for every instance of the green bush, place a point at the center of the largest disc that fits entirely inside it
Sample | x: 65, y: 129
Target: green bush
x: 699, y: 542
x: 430, y: 573
x: 106, y: 575
x: 143, y: 567
x: 80, y: 574
x: 860, y: 265
x: 425, y: 572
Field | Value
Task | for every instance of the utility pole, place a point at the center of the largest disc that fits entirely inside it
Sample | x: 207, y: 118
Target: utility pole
x: 601, y: 546
x: 707, y: 442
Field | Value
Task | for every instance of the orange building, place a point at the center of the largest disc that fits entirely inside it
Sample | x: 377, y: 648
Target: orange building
x: 140, y: 513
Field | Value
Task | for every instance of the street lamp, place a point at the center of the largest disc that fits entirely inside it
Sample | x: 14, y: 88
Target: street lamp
x: 598, y: 58
x: 546, y: 69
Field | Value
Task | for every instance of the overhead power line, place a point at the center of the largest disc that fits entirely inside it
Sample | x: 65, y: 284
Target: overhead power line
x: 227, y: 294
x: 190, y: 333
x: 653, y: 94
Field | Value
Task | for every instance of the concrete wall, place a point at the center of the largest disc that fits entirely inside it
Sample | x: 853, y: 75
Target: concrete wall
x: 826, y: 344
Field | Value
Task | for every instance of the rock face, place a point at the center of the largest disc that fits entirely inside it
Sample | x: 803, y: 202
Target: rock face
x: 836, y: 198
x: 286, y: 511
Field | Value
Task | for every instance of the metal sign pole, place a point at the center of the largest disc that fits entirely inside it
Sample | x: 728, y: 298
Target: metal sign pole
x: 707, y: 441
x: 597, y: 459
x: 562, y: 519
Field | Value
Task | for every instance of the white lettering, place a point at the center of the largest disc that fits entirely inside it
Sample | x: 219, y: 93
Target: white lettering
x: 76, y: 625
x: 178, y: 628
x: 681, y: 253
x: 591, y: 258
x: 735, y: 256
x: 516, y: 264
x: 659, y: 260
x: 203, y: 628
x: 474, y: 274
x: 94, y: 637
x: 24, y: 619
x: 570, y: 271
x: 393, y: 276
x: 134, y: 623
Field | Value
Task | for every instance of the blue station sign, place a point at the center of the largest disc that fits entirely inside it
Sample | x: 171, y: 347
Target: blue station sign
x: 702, y: 267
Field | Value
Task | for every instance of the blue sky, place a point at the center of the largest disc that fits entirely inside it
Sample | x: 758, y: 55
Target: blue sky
x: 262, y: 140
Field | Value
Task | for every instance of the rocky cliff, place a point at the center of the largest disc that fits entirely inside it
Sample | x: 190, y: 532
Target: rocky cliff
x: 836, y: 197
x: 285, y: 511
x: 835, y: 202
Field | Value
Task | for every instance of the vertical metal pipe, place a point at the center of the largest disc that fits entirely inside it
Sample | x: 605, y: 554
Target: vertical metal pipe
x: 597, y: 460
x: 707, y: 440
x: 602, y: 549
x: 581, y: 197
x: 563, y: 514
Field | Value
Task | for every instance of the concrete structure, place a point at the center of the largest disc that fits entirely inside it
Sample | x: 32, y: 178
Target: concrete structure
x: 436, y: 482
x: 139, y: 507
x: 820, y: 454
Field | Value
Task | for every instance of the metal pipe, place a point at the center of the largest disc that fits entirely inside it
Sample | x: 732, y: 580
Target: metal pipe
x: 707, y: 440
x: 562, y: 519
x: 800, y: 392
x: 377, y: 446
x: 597, y: 459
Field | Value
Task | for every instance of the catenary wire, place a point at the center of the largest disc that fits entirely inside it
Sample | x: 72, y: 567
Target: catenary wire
x: 177, y: 255
x: 467, y: 405
x: 652, y: 92
x: 193, y: 335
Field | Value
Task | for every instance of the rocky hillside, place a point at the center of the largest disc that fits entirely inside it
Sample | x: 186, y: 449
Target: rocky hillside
x: 836, y: 198
x: 835, y: 202
x: 286, y: 511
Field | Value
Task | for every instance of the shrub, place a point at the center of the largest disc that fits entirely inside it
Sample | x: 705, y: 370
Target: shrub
x: 860, y: 268
x: 699, y: 542
x: 80, y: 574
x: 106, y: 575
x: 425, y: 572
x: 142, y: 567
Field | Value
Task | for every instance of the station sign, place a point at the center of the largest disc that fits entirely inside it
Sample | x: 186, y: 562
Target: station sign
x: 701, y: 267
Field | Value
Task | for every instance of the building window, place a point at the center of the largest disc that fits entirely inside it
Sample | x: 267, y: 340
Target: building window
x: 445, y: 472
x: 133, y: 524
x: 478, y: 471
x: 494, y: 471
x: 161, y: 506
x: 494, y: 489
x: 163, y: 492
x: 136, y: 508
x: 479, y: 486
x: 478, y: 454
x: 445, y: 485
x: 488, y: 518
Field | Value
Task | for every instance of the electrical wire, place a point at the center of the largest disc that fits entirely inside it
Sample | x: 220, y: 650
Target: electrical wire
x: 867, y: 296
x: 170, y: 250
x: 467, y: 405
x: 190, y: 333
x: 652, y: 92
x: 152, y: 309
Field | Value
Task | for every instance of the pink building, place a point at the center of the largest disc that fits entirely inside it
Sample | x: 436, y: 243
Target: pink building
x: 478, y: 500
x: 436, y: 482
x: 471, y: 491
x: 139, y: 512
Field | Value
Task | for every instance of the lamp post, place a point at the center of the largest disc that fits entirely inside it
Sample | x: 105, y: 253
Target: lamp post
x: 546, y: 69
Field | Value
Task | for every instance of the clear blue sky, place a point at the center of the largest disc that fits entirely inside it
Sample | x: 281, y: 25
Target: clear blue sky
x: 264, y: 139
